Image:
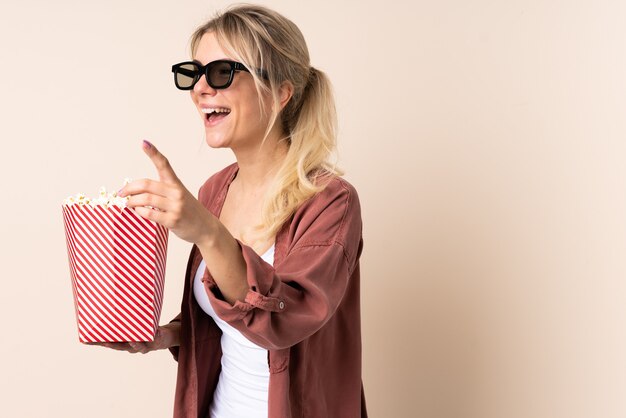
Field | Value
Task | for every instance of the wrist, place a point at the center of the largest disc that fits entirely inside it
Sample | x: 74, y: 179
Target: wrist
x: 209, y: 237
x: 171, y: 334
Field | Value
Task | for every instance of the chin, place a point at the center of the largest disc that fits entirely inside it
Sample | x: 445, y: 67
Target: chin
x: 217, y: 140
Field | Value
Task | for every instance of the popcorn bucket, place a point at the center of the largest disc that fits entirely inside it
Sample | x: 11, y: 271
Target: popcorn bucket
x: 117, y: 266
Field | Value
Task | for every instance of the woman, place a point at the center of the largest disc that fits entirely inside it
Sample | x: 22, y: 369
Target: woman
x: 270, y: 317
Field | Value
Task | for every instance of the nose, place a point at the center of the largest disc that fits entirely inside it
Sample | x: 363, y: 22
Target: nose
x: 202, y: 87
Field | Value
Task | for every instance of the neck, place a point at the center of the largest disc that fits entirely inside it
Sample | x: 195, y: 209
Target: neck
x: 257, y: 167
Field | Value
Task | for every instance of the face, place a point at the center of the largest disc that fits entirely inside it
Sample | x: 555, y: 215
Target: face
x: 239, y: 122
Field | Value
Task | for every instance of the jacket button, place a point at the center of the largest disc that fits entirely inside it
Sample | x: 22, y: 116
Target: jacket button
x: 281, y: 305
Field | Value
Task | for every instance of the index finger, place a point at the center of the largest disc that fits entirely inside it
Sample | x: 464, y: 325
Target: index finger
x: 164, y: 169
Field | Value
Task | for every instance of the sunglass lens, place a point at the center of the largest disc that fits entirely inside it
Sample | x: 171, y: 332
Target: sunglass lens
x: 187, y: 75
x: 220, y: 74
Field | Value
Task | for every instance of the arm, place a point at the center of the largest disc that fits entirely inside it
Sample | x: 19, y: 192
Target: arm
x: 225, y: 262
x: 174, y: 324
x: 286, y: 303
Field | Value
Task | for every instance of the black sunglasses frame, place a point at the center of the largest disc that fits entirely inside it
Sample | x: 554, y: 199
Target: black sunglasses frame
x: 204, y: 69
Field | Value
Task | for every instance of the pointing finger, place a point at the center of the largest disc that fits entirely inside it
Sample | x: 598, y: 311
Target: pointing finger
x: 164, y: 169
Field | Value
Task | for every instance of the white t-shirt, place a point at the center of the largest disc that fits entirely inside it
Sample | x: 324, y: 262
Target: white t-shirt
x: 242, y: 389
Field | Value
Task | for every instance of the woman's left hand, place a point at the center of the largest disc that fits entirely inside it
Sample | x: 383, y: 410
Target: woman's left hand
x: 173, y: 206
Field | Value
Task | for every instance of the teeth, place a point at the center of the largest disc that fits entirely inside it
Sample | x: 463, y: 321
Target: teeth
x: 216, y: 110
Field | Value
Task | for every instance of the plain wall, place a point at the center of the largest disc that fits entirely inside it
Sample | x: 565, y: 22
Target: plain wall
x: 486, y: 140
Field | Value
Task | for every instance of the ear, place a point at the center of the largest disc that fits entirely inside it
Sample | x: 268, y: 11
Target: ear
x: 286, y: 92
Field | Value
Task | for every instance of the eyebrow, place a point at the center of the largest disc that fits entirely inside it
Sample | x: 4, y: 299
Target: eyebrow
x: 219, y: 59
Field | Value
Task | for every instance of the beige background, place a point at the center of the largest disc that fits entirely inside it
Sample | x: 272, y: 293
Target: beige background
x: 486, y: 140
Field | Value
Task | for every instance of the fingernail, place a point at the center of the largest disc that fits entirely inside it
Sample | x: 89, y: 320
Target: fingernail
x: 146, y: 144
x: 119, y: 192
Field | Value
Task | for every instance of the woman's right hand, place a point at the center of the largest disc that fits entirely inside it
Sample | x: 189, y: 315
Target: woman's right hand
x: 166, y: 336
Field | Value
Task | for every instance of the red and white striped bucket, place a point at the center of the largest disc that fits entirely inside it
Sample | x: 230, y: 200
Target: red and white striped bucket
x: 117, y: 265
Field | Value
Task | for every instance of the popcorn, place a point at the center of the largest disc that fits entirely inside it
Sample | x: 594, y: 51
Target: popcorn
x: 103, y: 199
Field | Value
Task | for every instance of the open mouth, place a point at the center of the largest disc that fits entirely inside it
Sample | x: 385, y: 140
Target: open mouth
x: 215, y: 115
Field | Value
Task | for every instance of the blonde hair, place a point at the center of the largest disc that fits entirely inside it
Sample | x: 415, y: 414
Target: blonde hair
x: 263, y: 39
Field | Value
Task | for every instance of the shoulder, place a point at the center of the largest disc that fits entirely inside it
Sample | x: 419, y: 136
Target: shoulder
x: 332, y: 215
x: 338, y: 193
x: 216, y: 183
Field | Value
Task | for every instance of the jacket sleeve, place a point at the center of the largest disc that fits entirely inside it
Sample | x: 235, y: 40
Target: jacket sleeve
x: 290, y: 301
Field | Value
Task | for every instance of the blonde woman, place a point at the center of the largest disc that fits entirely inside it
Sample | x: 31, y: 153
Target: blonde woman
x: 270, y: 317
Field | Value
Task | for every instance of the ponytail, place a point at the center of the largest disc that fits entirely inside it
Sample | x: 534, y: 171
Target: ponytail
x: 305, y: 171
